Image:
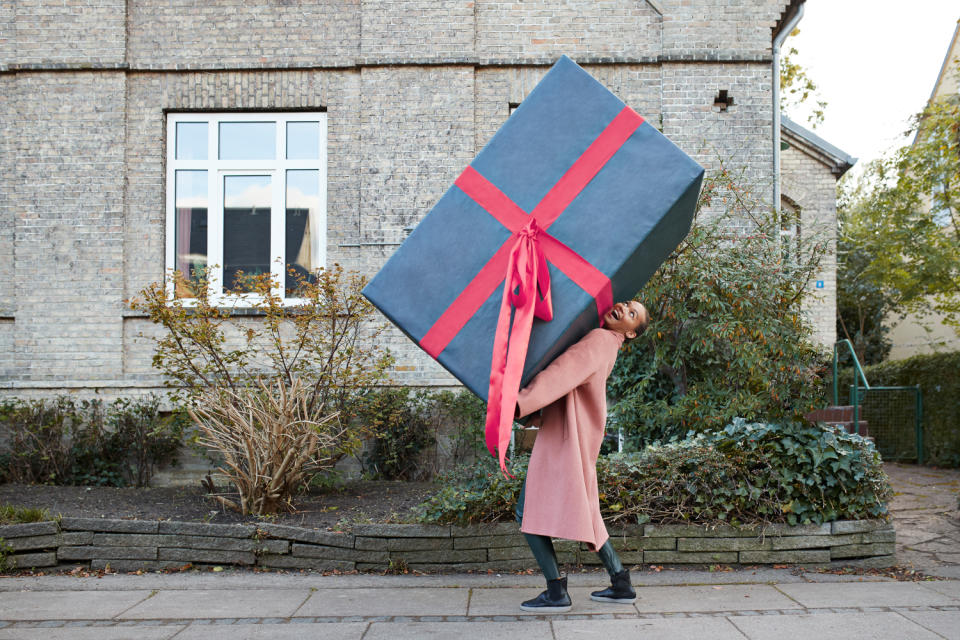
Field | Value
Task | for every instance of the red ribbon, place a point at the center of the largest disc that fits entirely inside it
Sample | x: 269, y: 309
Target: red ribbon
x: 522, y: 261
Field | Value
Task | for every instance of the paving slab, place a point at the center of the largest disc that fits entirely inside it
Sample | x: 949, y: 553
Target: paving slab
x: 67, y: 605
x: 712, y: 598
x: 946, y: 623
x: 406, y: 601
x: 91, y: 633
x: 864, y: 594
x: 532, y: 630
x: 219, y: 603
x: 337, y: 630
x: 949, y: 588
x: 849, y: 626
x: 506, y: 601
x: 660, y: 628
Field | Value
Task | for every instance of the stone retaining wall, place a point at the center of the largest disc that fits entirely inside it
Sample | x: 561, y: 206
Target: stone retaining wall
x: 128, y: 545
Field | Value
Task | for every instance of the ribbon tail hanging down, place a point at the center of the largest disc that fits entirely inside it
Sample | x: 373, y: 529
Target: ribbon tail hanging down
x: 526, y: 288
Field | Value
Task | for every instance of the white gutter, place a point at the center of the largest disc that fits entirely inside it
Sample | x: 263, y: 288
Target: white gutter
x: 777, y: 43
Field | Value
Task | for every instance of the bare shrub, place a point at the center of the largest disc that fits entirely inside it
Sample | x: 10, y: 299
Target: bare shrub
x: 272, y: 438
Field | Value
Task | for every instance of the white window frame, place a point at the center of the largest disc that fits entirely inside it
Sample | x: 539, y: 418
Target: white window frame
x: 218, y: 169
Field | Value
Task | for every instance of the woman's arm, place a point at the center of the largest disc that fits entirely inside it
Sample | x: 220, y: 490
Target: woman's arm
x: 567, y: 372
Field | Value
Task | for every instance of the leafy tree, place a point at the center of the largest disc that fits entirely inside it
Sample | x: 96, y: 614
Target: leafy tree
x: 862, y: 302
x: 727, y: 336
x: 904, y: 213
x: 796, y: 87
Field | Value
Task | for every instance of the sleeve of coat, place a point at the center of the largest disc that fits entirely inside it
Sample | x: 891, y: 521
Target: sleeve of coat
x: 563, y: 375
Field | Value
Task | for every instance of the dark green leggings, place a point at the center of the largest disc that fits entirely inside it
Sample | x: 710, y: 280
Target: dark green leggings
x: 542, y: 548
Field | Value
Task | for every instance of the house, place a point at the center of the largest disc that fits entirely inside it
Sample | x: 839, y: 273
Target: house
x: 810, y: 168
x: 144, y: 135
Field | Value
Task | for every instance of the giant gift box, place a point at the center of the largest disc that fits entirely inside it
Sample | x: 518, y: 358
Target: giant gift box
x: 576, y: 198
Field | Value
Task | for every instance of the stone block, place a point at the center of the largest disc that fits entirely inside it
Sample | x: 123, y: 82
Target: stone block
x: 863, y: 550
x: 272, y: 546
x: 29, y: 543
x: 884, y: 535
x: 107, y: 553
x: 489, y: 542
x: 707, y: 557
x: 784, y: 529
x: 29, y: 560
x: 108, y: 526
x: 867, y: 563
x: 696, y: 531
x: 403, y: 544
x: 810, y: 542
x: 125, y: 566
x: 204, y: 529
x: 791, y: 556
x: 328, y: 538
x: 207, y: 555
x: 28, y: 529
x: 128, y: 539
x: 723, y: 544
x: 641, y: 543
x: 486, y: 529
x: 448, y: 556
x: 402, y: 530
x: 860, y: 526
x: 568, y: 557
x: 338, y: 553
x: 509, y: 553
x: 298, y: 562
x: 75, y: 538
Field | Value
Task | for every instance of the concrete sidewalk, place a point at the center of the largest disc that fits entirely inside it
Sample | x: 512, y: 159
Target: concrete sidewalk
x: 760, y: 603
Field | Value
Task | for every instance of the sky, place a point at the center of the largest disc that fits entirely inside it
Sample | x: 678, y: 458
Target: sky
x: 875, y: 63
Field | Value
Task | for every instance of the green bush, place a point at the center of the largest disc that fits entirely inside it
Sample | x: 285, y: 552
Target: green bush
x: 938, y: 375
x: 727, y: 336
x: 417, y: 432
x: 61, y: 441
x: 746, y: 473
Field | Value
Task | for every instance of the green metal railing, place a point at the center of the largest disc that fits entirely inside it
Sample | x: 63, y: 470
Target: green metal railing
x: 859, y: 391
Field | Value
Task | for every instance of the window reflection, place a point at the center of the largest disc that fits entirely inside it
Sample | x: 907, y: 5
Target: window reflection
x: 191, y: 228
x: 303, y: 140
x: 246, y: 231
x: 248, y: 140
x: 302, y: 227
x: 191, y: 141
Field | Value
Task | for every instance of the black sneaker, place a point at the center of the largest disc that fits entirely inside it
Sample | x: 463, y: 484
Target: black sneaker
x: 554, y: 600
x: 620, y: 590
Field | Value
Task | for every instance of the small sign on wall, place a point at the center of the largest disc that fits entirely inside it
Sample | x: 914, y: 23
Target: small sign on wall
x: 819, y: 284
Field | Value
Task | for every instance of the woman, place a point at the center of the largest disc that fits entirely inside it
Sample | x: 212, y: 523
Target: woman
x: 559, y: 498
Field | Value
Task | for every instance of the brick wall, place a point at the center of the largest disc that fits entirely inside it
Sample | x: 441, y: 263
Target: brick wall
x: 68, y: 212
x: 412, y: 89
x: 167, y: 34
x: 78, y: 32
x: 810, y: 184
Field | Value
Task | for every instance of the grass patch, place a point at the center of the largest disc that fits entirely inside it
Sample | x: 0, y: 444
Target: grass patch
x: 10, y: 514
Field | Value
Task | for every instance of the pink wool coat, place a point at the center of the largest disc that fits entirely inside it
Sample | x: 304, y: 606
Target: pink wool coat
x: 561, y: 492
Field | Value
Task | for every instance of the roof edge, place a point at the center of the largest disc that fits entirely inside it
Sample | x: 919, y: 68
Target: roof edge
x: 841, y: 160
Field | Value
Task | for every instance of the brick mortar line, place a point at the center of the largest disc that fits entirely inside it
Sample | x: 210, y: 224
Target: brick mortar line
x: 506, y: 617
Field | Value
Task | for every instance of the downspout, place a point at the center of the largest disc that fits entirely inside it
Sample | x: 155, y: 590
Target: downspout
x: 777, y: 43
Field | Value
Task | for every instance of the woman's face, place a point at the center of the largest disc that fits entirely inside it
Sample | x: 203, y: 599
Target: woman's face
x: 627, y: 318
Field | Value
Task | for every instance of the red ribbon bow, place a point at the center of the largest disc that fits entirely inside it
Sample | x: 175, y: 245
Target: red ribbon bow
x: 528, y: 289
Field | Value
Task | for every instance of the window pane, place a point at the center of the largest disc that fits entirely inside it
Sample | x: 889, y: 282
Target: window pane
x: 248, y: 140
x: 191, y: 141
x: 190, y: 235
x: 246, y: 231
x: 303, y: 140
x: 302, y: 227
